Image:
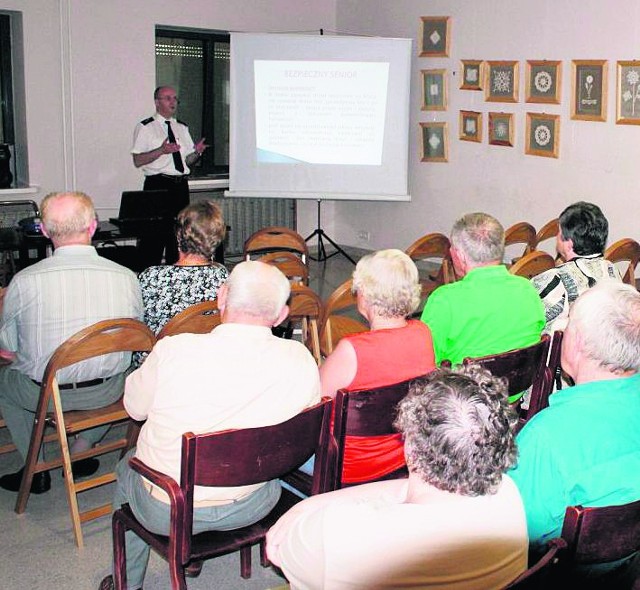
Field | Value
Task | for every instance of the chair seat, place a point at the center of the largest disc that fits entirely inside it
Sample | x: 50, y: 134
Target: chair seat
x: 75, y: 421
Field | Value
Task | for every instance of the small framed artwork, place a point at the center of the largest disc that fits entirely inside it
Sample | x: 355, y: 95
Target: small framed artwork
x: 628, y: 94
x: 471, y: 74
x: 502, y: 81
x: 501, y: 129
x: 435, y: 36
x: 589, y: 89
x: 542, y: 135
x: 434, y: 90
x: 471, y: 126
x: 543, y: 80
x: 434, y: 141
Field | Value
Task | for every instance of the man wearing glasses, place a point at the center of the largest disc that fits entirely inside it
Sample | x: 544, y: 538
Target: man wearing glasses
x: 164, y: 149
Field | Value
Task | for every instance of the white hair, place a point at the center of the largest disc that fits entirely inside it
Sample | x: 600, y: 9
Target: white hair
x: 480, y: 236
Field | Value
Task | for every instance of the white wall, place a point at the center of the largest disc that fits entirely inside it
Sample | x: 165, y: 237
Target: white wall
x: 598, y: 161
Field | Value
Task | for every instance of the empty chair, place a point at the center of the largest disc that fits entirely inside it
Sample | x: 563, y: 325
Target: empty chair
x: 104, y: 337
x: 305, y: 308
x: 200, y: 318
x: 532, y: 264
x: 433, y: 248
x: 229, y: 458
x: 537, y: 576
x: 547, y: 232
x: 625, y: 250
x: 274, y: 239
x: 291, y: 265
x: 521, y: 233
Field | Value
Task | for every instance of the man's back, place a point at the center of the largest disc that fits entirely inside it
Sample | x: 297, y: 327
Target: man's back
x: 487, y: 312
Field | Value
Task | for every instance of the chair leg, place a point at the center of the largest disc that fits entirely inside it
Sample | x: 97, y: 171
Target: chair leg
x: 245, y: 562
x: 264, y: 560
x: 176, y: 571
x: 119, y: 552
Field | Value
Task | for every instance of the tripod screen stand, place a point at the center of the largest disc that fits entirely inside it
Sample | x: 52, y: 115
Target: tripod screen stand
x: 322, y: 255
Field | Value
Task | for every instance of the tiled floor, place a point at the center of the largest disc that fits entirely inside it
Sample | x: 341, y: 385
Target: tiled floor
x: 38, y: 549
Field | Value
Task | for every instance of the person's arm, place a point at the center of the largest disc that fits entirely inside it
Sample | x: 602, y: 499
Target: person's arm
x: 196, y: 154
x: 339, y: 369
x: 140, y: 386
x: 152, y: 155
x: 552, y: 292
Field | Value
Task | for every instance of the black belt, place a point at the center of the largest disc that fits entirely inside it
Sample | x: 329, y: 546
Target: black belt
x: 78, y: 385
x: 174, y: 178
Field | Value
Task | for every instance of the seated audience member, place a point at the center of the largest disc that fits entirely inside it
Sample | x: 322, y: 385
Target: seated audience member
x: 44, y: 305
x: 237, y: 376
x: 456, y: 522
x: 395, y: 349
x: 580, y: 242
x: 585, y: 447
x: 195, y: 277
x: 489, y: 310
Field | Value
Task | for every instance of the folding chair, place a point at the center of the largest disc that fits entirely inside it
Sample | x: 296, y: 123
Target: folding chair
x: 200, y: 318
x: 305, y: 307
x: 532, y: 264
x: 625, y: 250
x: 535, y: 578
x: 431, y: 247
x: 520, y: 233
x: 275, y: 239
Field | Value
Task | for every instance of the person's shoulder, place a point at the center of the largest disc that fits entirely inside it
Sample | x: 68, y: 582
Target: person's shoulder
x: 146, y: 121
x: 179, y: 122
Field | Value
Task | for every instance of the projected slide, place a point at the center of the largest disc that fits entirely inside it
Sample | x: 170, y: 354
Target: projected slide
x: 320, y: 112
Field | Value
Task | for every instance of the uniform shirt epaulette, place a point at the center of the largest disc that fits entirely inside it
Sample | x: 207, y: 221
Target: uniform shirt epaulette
x: 181, y: 122
x: 147, y: 121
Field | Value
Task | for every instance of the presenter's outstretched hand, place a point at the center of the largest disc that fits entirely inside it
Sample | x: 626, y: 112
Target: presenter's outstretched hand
x: 200, y: 146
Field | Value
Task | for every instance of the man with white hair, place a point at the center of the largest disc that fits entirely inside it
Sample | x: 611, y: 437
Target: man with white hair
x: 237, y: 376
x: 585, y: 447
x: 45, y: 304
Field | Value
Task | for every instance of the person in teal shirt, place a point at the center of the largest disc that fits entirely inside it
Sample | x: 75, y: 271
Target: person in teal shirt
x: 585, y: 447
x: 489, y: 310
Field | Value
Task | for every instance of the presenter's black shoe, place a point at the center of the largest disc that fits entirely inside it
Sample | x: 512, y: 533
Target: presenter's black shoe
x: 41, y: 482
x: 84, y: 467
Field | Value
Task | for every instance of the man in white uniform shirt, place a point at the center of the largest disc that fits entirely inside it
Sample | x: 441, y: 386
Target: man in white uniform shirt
x: 237, y: 376
x: 45, y: 304
x: 164, y: 149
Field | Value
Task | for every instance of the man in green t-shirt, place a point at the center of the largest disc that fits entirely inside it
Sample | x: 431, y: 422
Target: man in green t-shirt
x: 489, y: 310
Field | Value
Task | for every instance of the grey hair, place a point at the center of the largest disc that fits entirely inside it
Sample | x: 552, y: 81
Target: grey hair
x: 388, y: 282
x: 607, y: 317
x: 257, y: 289
x: 458, y: 430
x: 480, y: 236
x: 83, y: 214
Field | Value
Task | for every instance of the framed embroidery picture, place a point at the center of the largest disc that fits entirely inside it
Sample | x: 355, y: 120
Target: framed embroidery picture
x: 435, y: 36
x: 434, y: 90
x: 502, y: 81
x: 628, y: 93
x: 471, y: 74
x: 589, y: 89
x: 471, y: 126
x: 542, y: 135
x: 435, y: 142
x: 542, y: 81
x: 501, y: 129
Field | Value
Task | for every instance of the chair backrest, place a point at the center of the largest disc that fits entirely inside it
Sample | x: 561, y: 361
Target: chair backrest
x: 523, y: 368
x: 254, y: 455
x: 305, y: 306
x: 546, y: 232
x: 290, y: 264
x: 521, y: 233
x: 334, y: 325
x: 365, y: 413
x: 625, y: 250
x: 434, y: 246
x: 532, y: 264
x: 535, y: 577
x: 601, y: 535
x: 200, y: 318
x: 273, y: 239
x: 554, y: 359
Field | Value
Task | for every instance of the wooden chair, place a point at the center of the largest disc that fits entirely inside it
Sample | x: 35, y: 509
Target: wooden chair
x: 229, y: 458
x: 625, y: 250
x: 598, y: 536
x: 274, y: 239
x: 548, y: 231
x: 200, y: 318
x: 8, y: 447
x: 334, y: 323
x: 118, y: 335
x: 305, y: 308
x: 520, y: 233
x: 432, y: 247
x: 532, y: 264
x: 523, y: 368
x: 535, y: 578
x: 291, y: 265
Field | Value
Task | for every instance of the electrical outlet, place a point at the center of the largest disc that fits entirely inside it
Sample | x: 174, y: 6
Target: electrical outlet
x: 364, y: 235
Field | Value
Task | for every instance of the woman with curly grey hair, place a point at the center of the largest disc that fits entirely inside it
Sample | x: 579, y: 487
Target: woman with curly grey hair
x: 456, y: 522
x: 394, y: 350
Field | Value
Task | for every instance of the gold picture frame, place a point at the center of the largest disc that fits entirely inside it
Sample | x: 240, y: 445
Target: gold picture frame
x: 628, y: 93
x: 471, y: 126
x: 434, y: 142
x: 542, y: 135
x: 434, y: 90
x: 543, y: 81
x: 502, y: 81
x: 435, y: 36
x: 589, y: 89
x: 472, y: 74
x: 501, y: 129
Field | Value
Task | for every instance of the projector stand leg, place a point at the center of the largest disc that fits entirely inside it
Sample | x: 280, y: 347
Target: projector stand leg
x: 322, y: 253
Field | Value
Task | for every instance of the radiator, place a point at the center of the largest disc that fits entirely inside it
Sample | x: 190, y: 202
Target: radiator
x: 247, y: 215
